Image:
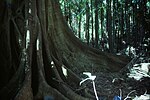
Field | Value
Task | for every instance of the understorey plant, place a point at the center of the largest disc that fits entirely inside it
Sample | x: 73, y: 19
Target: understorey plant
x: 92, y: 78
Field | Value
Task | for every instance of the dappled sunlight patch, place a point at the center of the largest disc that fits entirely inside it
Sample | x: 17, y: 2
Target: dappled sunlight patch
x: 142, y: 97
x: 64, y: 70
x: 139, y: 71
x: 145, y: 96
x: 30, y: 11
x: 52, y: 64
x: 27, y: 38
x: 37, y: 44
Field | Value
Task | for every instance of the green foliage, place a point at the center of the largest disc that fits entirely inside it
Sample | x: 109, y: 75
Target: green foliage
x: 126, y: 19
x: 148, y: 4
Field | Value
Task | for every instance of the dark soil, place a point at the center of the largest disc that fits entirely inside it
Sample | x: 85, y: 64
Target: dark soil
x: 107, y: 88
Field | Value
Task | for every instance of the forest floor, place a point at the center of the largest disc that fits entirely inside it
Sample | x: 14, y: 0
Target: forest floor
x: 109, y: 85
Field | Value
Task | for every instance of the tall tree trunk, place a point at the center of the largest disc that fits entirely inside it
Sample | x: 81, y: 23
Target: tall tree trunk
x: 96, y: 24
x: 109, y: 27
x: 127, y: 23
x: 134, y: 28
x: 114, y: 26
x: 80, y: 19
x: 92, y: 23
x: 79, y: 28
x: 102, y: 19
x: 70, y: 15
x: 48, y: 46
x: 87, y: 34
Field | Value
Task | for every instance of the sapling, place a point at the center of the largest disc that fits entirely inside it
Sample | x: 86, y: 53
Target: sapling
x: 92, y: 78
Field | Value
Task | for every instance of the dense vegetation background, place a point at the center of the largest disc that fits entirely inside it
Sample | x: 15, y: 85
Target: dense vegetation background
x: 109, y: 25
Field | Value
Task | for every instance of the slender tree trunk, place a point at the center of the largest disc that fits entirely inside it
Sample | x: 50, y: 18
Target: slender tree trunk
x: 87, y: 34
x: 96, y: 25
x: 117, y: 22
x: 134, y: 28
x: 114, y: 26
x: 79, y: 28
x: 92, y: 23
x: 80, y: 19
x: 70, y: 16
x: 109, y: 27
x: 127, y: 23
x: 102, y: 19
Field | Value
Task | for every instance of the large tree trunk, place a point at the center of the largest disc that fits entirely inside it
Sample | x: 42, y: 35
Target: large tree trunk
x: 45, y: 38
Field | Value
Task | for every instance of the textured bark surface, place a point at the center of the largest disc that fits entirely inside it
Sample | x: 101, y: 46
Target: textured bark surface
x: 27, y: 66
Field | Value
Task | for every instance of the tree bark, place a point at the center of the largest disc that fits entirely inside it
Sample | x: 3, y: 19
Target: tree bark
x: 96, y: 24
x: 87, y: 34
x: 50, y: 40
x: 109, y: 27
x: 92, y: 24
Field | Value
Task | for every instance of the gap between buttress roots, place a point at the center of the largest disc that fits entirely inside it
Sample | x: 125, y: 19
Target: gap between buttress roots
x: 35, y: 76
